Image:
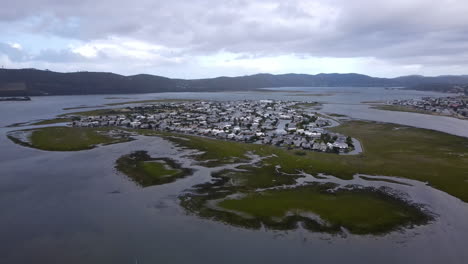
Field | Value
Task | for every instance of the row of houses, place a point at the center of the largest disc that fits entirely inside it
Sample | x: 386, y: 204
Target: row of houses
x: 262, y: 122
x: 453, y: 105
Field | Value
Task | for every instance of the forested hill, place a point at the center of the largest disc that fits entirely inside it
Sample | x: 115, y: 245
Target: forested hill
x: 38, y: 82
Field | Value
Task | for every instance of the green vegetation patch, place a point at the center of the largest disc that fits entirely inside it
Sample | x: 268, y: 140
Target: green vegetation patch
x: 359, y: 211
x: 147, y: 171
x: 68, y: 138
x: 388, y: 150
x: 263, y: 175
x: 213, y: 152
x: 316, y: 206
x: 425, y: 155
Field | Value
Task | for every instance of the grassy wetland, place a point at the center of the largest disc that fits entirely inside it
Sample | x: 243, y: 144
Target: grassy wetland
x: 258, y: 195
x: 389, y: 150
x: 265, y: 193
x: 147, y: 171
x: 360, y: 212
x: 316, y: 207
x: 68, y: 138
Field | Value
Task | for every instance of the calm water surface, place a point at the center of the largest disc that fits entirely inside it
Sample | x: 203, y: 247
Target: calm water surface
x: 73, y: 207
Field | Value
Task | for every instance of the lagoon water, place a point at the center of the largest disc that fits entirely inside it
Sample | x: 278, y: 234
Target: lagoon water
x: 73, y: 207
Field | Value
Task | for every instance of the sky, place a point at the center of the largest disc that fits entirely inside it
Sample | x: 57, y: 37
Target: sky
x: 209, y: 38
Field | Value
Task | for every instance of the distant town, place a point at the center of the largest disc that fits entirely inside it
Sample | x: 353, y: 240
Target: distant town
x: 456, y: 106
x: 280, y: 123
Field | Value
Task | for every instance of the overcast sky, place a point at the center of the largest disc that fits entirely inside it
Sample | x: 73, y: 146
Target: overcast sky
x: 208, y: 38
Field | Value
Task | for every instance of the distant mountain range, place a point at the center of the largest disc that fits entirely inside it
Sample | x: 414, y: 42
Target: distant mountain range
x: 38, y: 82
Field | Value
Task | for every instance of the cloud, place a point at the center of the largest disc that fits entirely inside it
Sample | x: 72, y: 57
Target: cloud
x: 16, y: 46
x: 59, y: 56
x: 12, y: 51
x: 178, y: 33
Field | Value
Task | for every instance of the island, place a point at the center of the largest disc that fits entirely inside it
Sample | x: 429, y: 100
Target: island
x: 274, y: 164
x: 147, y: 171
x: 280, y: 123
